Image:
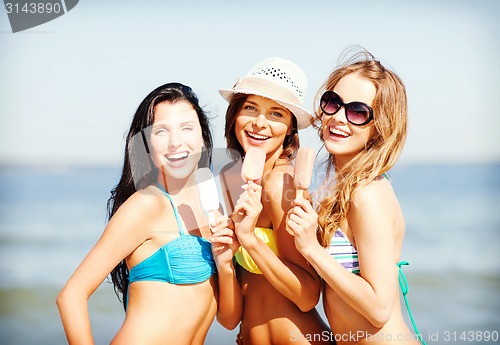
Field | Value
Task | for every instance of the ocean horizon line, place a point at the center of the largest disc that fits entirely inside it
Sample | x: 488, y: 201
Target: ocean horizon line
x: 63, y: 167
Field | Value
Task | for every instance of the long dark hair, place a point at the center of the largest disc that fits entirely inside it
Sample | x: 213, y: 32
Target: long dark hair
x: 136, y: 162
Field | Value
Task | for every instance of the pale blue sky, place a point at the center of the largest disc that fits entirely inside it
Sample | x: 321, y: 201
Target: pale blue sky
x: 69, y: 88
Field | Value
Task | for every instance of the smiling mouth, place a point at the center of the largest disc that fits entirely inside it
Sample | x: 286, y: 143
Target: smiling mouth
x: 256, y: 136
x: 336, y: 133
x: 177, y: 157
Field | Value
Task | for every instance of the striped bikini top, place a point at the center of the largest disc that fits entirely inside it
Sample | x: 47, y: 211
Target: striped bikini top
x: 344, y: 252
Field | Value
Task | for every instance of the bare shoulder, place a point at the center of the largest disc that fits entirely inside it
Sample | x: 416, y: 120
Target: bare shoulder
x: 135, y: 220
x: 378, y: 192
x: 143, y: 204
x: 280, y: 175
x: 375, y: 203
x: 277, y: 185
x: 375, y: 196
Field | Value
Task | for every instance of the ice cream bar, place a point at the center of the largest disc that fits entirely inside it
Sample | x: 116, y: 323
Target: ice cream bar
x: 208, y: 192
x: 253, y: 165
x: 303, y: 170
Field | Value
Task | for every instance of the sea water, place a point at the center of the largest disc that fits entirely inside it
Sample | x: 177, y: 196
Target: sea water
x: 51, y: 217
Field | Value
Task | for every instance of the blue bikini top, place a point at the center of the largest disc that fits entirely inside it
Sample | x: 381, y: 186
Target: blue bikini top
x: 186, y: 260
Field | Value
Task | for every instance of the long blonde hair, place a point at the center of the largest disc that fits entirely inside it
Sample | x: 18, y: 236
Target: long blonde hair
x: 379, y: 155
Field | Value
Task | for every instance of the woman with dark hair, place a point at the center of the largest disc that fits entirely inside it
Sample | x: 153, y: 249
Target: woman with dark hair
x: 362, y: 117
x: 156, y: 244
x: 280, y: 289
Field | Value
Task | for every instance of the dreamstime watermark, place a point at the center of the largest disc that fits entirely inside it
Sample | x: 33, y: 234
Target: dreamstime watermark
x: 28, y: 14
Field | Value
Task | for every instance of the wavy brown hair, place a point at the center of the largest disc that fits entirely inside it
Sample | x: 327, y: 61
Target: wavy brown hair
x: 290, y: 144
x: 380, y: 153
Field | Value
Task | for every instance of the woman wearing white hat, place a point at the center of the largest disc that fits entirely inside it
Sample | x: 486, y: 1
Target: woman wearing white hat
x: 280, y: 289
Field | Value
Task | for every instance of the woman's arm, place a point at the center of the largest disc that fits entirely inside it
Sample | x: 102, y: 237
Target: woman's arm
x: 372, y: 221
x: 298, y: 280
x: 290, y: 273
x: 121, y: 236
x: 230, y: 299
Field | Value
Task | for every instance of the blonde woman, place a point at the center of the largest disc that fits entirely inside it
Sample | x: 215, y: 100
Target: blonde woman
x: 363, y: 117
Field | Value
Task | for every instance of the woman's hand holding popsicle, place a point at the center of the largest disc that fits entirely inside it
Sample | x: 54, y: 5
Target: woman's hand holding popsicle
x: 224, y: 241
x: 302, y: 223
x: 302, y: 220
x: 248, y: 207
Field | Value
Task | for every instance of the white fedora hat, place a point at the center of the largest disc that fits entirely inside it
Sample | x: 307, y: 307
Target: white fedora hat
x: 277, y: 79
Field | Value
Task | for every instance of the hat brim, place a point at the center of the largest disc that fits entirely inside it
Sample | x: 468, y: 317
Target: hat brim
x: 304, y: 117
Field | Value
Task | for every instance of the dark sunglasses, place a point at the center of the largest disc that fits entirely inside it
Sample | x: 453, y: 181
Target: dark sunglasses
x: 357, y: 113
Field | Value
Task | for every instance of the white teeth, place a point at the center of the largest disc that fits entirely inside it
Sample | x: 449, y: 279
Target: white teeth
x: 179, y: 155
x: 339, y: 132
x: 257, y: 136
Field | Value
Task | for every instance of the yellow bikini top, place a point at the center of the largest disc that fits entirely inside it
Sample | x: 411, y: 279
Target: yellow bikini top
x: 245, y: 260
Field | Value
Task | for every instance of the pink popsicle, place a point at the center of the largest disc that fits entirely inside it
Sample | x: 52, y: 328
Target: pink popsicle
x: 253, y: 165
x: 303, y: 170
